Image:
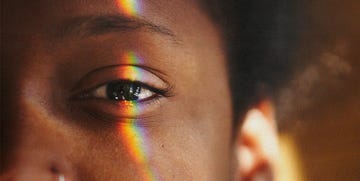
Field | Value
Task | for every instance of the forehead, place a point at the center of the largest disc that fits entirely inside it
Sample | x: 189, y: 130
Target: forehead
x: 183, y: 18
x: 168, y: 12
x: 38, y: 21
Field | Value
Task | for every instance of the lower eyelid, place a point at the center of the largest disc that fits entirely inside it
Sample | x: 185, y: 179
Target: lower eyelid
x: 143, y: 108
x: 106, y: 110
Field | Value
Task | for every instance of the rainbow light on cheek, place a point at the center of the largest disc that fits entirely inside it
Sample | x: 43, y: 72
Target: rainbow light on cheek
x: 134, y: 136
x: 129, y: 7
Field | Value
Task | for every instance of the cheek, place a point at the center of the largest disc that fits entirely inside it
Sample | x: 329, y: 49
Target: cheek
x: 190, y: 144
x: 196, y: 129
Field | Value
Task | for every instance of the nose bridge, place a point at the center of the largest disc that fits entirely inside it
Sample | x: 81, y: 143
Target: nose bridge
x: 33, y: 143
x: 11, y: 112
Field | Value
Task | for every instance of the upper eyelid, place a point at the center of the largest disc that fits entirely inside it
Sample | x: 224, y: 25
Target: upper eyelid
x: 142, y: 74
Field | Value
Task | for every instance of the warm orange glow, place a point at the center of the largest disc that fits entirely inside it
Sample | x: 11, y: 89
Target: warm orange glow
x: 289, y: 162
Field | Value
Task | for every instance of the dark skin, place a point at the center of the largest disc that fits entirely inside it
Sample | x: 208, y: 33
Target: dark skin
x: 55, y: 53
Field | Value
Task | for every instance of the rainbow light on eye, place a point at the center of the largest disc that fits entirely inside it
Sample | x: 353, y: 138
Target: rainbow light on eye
x: 134, y: 136
x: 130, y: 58
x: 129, y: 7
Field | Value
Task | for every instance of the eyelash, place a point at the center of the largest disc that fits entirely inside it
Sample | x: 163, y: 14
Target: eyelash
x: 158, y: 92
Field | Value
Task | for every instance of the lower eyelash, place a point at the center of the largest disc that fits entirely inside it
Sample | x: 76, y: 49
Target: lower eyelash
x: 115, y: 112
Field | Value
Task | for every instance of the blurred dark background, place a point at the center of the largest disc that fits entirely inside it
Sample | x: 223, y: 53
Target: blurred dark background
x: 307, y: 55
x: 319, y: 107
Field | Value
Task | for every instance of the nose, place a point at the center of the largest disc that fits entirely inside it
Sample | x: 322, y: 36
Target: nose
x: 37, y: 168
x: 34, y: 145
x: 35, y: 150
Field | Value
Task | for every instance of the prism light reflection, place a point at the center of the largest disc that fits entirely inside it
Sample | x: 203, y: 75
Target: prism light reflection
x: 132, y: 134
x: 129, y: 7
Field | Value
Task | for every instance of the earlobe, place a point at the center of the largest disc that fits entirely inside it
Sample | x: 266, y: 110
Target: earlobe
x: 257, y: 145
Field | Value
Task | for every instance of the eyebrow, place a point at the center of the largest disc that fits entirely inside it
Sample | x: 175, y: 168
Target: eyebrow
x: 85, y: 26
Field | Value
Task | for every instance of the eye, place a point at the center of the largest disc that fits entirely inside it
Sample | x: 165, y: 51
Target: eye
x: 121, y: 91
x: 124, y: 91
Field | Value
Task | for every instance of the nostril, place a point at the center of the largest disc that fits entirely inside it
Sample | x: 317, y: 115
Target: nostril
x: 62, y: 170
x: 57, y: 173
x: 54, y: 170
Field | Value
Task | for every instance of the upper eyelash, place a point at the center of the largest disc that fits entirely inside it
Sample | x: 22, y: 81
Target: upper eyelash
x: 149, y: 69
x: 161, y: 92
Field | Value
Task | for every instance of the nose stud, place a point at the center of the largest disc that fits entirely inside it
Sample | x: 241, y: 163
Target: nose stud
x: 61, y: 177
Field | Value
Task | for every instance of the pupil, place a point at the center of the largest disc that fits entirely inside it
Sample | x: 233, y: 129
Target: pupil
x: 123, y: 91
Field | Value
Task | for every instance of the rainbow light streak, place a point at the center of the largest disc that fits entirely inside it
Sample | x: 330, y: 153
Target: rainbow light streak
x: 130, y: 58
x: 129, y: 7
x: 133, y: 135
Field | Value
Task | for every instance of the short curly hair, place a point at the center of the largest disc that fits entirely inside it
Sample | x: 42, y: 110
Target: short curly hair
x: 259, y: 37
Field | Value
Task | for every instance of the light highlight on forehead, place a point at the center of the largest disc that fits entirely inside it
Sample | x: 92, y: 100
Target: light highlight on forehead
x: 129, y: 7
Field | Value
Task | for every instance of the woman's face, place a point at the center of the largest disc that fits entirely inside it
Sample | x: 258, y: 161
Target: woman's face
x: 114, y: 90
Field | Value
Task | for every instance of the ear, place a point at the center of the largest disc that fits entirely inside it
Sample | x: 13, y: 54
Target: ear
x: 257, y: 144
